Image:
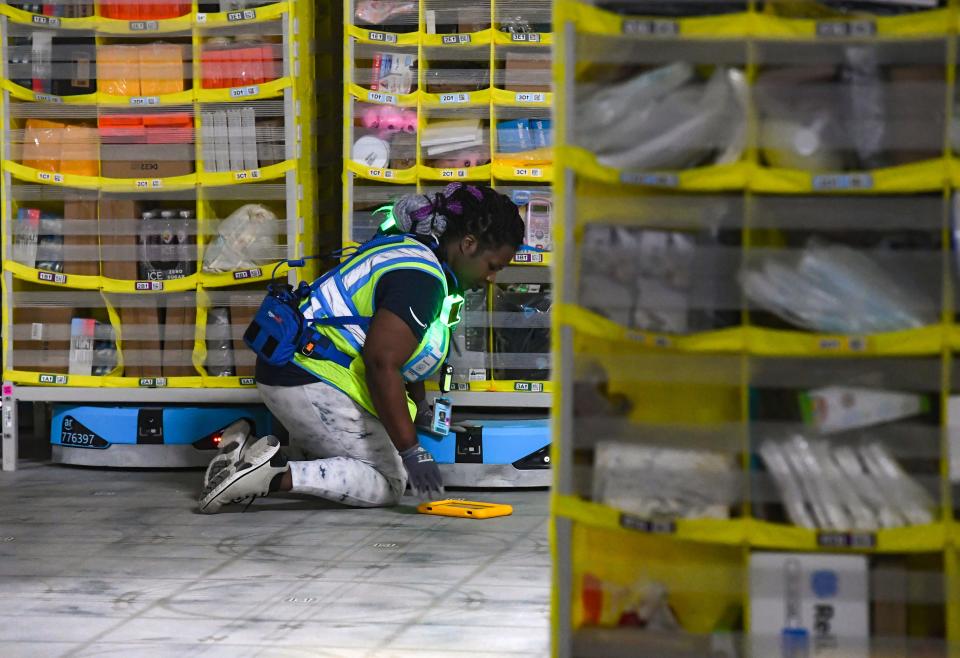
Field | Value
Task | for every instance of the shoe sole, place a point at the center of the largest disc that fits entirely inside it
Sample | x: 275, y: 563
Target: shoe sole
x: 256, y: 460
x: 230, y: 452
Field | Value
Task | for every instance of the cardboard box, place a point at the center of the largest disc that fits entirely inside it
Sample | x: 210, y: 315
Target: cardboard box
x: 147, y: 160
x: 46, y: 348
x: 888, y: 589
x: 241, y: 315
x: 118, y: 241
x: 142, y: 353
x: 80, y: 242
x: 188, y: 338
x: 820, y: 601
x: 527, y: 71
x: 178, y: 332
x: 130, y: 344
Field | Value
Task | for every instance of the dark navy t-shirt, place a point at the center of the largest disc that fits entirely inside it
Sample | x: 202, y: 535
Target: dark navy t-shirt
x: 414, y: 296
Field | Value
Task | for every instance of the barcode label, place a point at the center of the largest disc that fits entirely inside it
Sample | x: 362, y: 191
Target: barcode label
x: 455, y: 39
x: 244, y: 92
x: 148, y: 286
x: 47, y: 98
x: 37, y: 19
x: 453, y: 173
x: 52, y: 277
x: 378, y: 97
x: 247, y: 274
x: 237, y: 16
x: 528, y: 258
x: 843, y: 182
x: 148, y: 183
x: 653, y: 180
x: 528, y: 387
x: 144, y: 26
x: 834, y: 29
x: 531, y: 97
x: 140, y: 101
x: 459, y: 97
x: 846, y: 540
x: 651, y: 28
x: 384, y: 37
x: 853, y: 344
x: 521, y: 37
x: 49, y: 177
x: 524, y: 172
x: 252, y: 174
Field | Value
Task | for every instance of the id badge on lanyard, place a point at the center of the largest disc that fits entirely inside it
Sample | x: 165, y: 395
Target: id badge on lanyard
x: 442, y: 406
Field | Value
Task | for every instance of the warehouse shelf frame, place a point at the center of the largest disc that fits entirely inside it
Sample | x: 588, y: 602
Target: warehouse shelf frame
x: 500, y: 172
x: 573, y: 515
x: 293, y: 90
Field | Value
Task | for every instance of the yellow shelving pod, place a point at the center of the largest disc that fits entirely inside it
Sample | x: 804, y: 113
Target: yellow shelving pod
x: 755, y: 265
x: 137, y: 226
x: 418, y: 69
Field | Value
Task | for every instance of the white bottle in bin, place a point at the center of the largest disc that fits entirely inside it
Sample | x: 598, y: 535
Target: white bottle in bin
x: 809, y: 604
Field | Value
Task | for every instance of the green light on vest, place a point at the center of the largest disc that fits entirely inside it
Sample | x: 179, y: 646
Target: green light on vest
x: 390, y: 222
x: 451, y: 311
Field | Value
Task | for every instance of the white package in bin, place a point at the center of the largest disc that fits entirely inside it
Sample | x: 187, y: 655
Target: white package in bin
x: 809, y: 604
x: 245, y: 239
x: 841, y: 408
x: 652, y: 481
x: 953, y: 432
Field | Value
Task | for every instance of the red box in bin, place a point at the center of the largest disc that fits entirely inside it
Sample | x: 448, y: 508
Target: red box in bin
x: 271, y: 63
x: 123, y: 135
x: 249, y: 67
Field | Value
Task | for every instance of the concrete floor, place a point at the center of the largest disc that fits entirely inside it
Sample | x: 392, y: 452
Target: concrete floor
x: 117, y: 563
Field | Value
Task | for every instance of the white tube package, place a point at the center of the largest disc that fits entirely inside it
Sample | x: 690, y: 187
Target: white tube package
x: 834, y: 289
x: 665, y: 119
x: 829, y: 486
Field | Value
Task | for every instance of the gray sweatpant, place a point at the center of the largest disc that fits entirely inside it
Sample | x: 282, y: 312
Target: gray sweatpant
x: 339, y: 451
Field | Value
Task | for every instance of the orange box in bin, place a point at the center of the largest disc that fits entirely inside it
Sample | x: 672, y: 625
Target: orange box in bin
x: 161, y: 69
x: 119, y: 70
x: 80, y: 151
x: 42, y: 144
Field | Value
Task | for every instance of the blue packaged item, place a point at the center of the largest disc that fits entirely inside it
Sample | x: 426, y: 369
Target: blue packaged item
x: 514, y: 136
x: 541, y: 133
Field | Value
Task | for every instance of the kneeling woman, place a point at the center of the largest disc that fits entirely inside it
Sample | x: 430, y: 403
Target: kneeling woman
x: 349, y: 407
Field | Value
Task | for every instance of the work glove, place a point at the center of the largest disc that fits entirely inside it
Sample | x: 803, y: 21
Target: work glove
x: 424, y: 418
x: 422, y: 471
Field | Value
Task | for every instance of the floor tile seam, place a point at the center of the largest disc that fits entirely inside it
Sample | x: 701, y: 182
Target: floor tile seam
x: 442, y: 597
x: 157, y: 603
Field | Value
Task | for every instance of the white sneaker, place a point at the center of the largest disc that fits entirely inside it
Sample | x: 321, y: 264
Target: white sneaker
x: 248, y: 478
x: 233, y: 440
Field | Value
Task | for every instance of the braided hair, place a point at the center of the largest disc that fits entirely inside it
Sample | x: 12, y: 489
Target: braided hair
x: 460, y: 210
